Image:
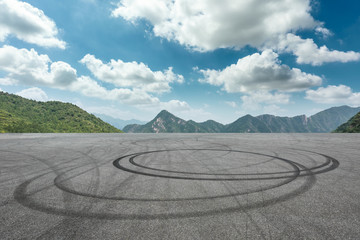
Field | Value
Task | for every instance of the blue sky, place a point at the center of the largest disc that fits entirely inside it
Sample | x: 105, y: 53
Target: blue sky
x: 200, y: 60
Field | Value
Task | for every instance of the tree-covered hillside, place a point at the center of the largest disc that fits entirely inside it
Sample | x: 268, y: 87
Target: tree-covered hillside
x: 20, y: 115
x: 352, y: 126
x: 322, y: 122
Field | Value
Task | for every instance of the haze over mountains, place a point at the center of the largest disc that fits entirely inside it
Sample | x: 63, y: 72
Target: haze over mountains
x: 116, y: 122
x: 322, y: 122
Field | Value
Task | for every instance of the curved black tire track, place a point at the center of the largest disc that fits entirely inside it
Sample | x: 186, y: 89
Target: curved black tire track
x: 21, y: 195
x: 329, y: 161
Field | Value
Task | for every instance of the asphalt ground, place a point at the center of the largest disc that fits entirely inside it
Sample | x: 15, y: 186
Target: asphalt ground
x: 179, y: 186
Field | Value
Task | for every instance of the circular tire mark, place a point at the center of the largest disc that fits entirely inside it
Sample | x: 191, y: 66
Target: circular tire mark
x: 329, y: 161
x: 300, y: 170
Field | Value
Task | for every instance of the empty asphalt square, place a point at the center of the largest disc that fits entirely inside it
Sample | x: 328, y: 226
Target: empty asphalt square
x: 179, y: 186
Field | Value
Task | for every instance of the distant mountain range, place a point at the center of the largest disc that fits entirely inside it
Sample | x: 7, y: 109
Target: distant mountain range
x: 20, y: 115
x: 116, y: 122
x: 351, y: 126
x: 322, y: 122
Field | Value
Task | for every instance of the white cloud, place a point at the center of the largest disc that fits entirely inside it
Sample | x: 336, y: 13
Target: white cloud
x: 112, y: 111
x: 265, y: 97
x: 259, y: 109
x: 34, y: 94
x: 27, y: 67
x: 260, y: 72
x: 309, y: 53
x: 180, y: 108
x: 131, y: 74
x: 175, y: 106
x: 324, y: 32
x: 207, y: 25
x: 264, y: 101
x: 273, y: 110
x: 231, y: 104
x: 27, y: 23
x: 198, y: 115
x: 334, y: 95
x: 91, y: 88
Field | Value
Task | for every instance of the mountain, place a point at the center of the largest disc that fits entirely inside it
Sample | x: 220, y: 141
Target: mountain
x: 133, y: 128
x: 20, y: 115
x: 212, y: 127
x: 247, y: 124
x: 324, y: 121
x: 328, y: 120
x: 166, y: 122
x: 351, y: 126
x: 116, y: 122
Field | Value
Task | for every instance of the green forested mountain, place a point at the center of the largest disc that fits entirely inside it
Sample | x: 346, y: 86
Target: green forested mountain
x: 248, y: 124
x: 133, y: 128
x: 212, y: 127
x: 324, y: 121
x: 166, y: 122
x: 20, y: 115
x: 352, y: 126
x: 284, y: 124
x: 329, y: 119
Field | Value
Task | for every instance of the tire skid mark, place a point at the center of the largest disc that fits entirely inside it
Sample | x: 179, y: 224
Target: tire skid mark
x: 21, y: 194
x: 235, y: 195
x: 333, y: 165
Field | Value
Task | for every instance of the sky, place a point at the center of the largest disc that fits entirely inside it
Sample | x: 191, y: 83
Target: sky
x: 200, y: 60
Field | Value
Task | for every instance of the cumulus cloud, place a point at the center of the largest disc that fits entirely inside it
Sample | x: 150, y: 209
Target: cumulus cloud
x: 185, y: 111
x: 324, y: 32
x: 265, y: 97
x: 231, y: 104
x: 175, y: 106
x: 110, y: 110
x: 131, y: 74
x: 34, y: 93
x: 273, y: 109
x: 308, y: 52
x: 334, y: 95
x: 91, y: 88
x: 140, y: 99
x: 27, y: 67
x: 207, y: 25
x: 30, y: 24
x: 260, y: 72
x: 264, y: 100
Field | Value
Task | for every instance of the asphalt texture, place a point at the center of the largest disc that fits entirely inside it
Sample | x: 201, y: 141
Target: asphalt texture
x: 180, y: 186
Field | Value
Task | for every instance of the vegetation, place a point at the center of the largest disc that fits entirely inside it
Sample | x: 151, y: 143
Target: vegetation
x: 166, y: 122
x: 352, y: 126
x: 324, y: 121
x: 247, y: 124
x: 20, y: 115
x: 328, y: 120
x: 212, y: 127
